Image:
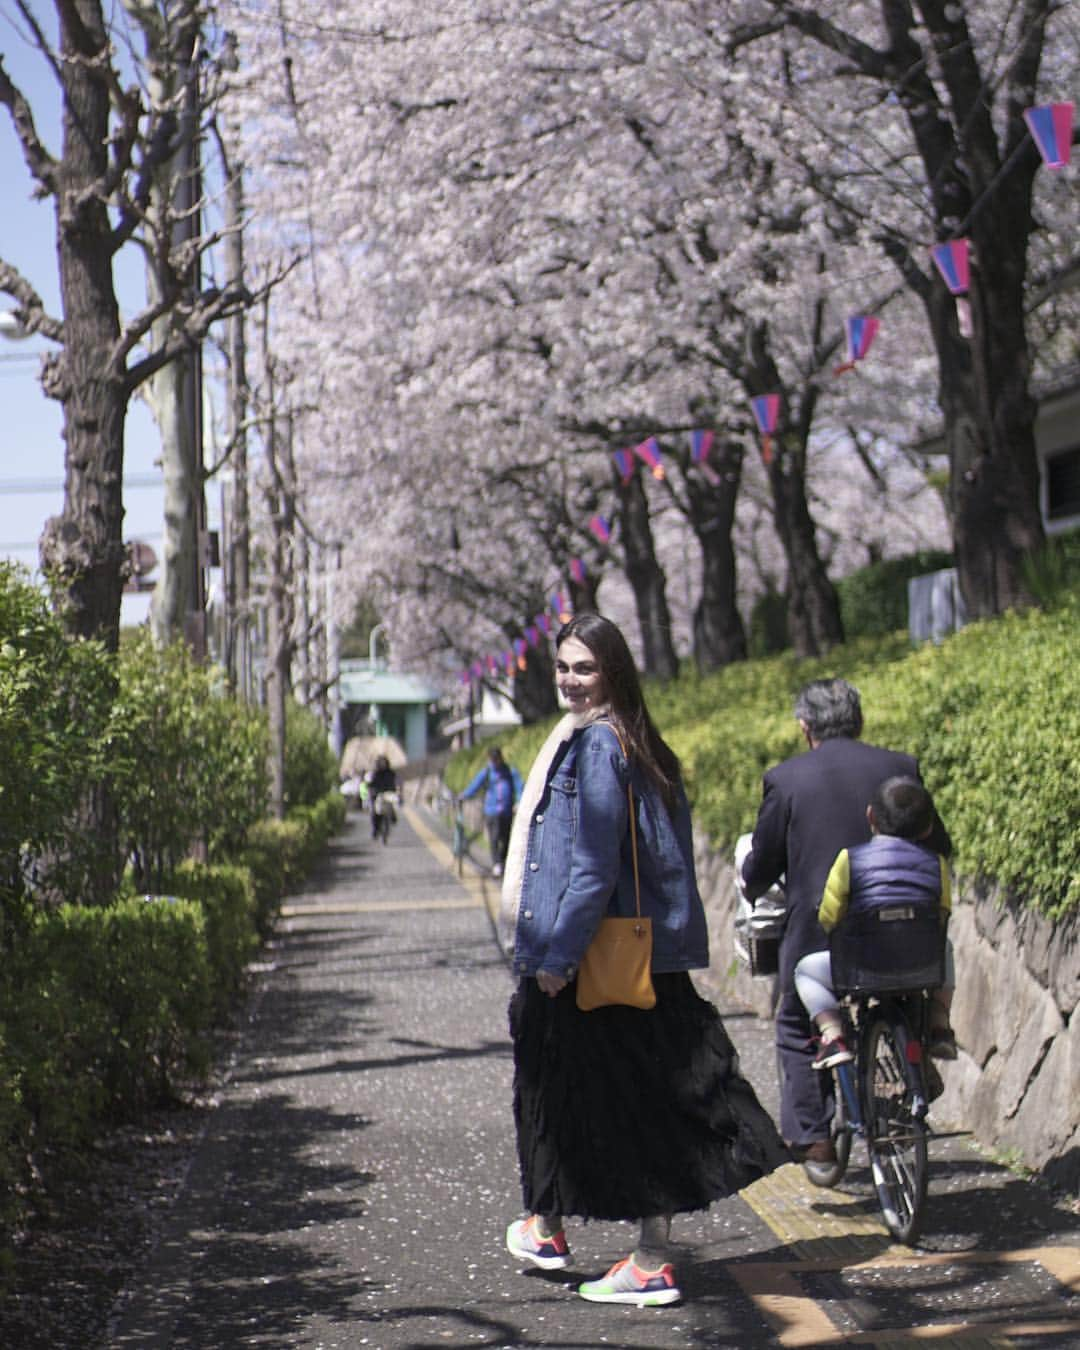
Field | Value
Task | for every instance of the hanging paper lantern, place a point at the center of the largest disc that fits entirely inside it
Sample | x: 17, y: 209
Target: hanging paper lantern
x: 600, y: 528
x: 532, y: 635
x: 649, y: 453
x: 700, y: 445
x: 624, y: 462
x: 560, y: 608
x: 492, y: 664
x: 767, y: 416
x: 509, y: 661
x: 543, y: 622
x: 521, y: 648
x: 1051, y: 126
x: 951, y: 260
x: 859, y: 331
x: 577, y: 570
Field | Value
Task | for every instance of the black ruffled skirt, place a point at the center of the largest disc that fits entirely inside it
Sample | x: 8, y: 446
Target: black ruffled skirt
x: 622, y: 1114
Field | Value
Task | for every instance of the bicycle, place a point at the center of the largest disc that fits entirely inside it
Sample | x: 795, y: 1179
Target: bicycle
x: 383, y: 815
x: 882, y: 1096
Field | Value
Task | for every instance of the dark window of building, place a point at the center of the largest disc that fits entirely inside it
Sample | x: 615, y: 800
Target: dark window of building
x: 1063, y: 484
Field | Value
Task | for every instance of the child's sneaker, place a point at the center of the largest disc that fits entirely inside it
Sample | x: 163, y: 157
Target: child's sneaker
x: 627, y: 1283
x: 524, y: 1242
x: 831, y: 1052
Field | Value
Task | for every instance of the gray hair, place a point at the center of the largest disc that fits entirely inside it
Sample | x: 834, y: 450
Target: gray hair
x: 830, y: 708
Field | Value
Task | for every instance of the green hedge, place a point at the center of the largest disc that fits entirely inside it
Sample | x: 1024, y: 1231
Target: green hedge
x: 106, y: 1011
x: 993, y: 715
x: 226, y: 893
x: 874, y: 600
x: 104, y: 1015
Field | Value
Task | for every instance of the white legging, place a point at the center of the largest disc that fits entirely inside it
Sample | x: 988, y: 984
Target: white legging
x: 813, y: 980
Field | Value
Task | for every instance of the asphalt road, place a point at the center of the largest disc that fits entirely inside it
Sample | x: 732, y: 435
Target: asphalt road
x: 354, y: 1186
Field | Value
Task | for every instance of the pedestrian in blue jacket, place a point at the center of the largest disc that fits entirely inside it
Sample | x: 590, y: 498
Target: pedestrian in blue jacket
x: 501, y: 786
x: 621, y: 1113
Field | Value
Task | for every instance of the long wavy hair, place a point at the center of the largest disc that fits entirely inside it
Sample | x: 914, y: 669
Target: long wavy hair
x: 628, y: 712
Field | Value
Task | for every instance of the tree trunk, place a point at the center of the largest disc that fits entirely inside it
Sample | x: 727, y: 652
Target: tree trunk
x: 719, y: 635
x: 277, y: 637
x: 814, y: 623
x: 647, y: 581
x: 238, y: 560
x: 989, y: 425
x: 534, y: 687
x: 83, y: 547
x: 174, y: 393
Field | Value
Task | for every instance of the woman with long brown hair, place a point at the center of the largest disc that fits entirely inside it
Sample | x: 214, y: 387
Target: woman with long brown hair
x: 621, y: 1113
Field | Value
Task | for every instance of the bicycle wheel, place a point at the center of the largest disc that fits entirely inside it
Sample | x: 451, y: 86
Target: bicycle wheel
x: 895, y: 1134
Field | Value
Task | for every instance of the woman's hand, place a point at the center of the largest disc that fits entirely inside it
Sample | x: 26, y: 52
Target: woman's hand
x: 550, y: 983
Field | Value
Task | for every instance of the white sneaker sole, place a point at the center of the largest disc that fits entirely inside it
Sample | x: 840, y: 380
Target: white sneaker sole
x: 656, y: 1299
x: 523, y: 1254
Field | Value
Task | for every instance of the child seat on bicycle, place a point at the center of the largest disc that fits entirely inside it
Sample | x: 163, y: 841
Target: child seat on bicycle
x: 886, y: 905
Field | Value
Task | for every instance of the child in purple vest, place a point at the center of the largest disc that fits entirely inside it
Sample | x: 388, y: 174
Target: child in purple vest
x: 893, y: 868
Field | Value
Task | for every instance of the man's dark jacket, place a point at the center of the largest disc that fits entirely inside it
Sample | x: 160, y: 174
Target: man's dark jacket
x: 813, y: 806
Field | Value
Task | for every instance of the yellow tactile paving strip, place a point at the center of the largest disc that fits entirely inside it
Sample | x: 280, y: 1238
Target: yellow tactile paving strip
x: 832, y: 1231
x: 847, y: 1239
x: 481, y: 889
x: 371, y: 907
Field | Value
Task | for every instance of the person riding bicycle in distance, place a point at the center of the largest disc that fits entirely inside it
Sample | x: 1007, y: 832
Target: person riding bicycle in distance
x: 895, y: 867
x: 379, y: 779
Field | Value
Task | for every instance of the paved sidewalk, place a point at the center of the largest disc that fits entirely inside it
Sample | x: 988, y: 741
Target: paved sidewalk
x: 355, y: 1184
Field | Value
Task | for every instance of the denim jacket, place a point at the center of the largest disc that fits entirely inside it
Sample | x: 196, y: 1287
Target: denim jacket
x: 579, y: 866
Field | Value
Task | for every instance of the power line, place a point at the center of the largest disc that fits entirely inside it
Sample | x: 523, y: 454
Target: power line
x: 12, y: 486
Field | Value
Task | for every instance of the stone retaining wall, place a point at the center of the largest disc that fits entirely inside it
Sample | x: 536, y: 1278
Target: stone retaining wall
x: 1016, y: 1083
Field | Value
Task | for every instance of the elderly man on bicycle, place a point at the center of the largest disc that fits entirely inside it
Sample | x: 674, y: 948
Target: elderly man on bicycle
x: 813, y: 805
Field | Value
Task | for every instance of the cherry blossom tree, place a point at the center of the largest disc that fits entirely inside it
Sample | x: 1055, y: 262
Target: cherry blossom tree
x: 919, y: 107
x: 536, y: 231
x: 101, y: 182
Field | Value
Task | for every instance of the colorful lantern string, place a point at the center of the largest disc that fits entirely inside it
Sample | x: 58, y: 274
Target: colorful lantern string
x: 649, y: 453
x: 577, y: 570
x: 624, y: 462
x: 1051, y: 126
x: 859, y: 331
x: 560, y: 608
x: 521, y: 648
x: 952, y: 261
x: 700, y: 445
x: 767, y: 415
x: 600, y: 528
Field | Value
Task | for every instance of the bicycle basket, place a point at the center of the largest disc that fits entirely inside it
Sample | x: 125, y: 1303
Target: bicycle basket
x: 758, y: 929
x: 895, y: 947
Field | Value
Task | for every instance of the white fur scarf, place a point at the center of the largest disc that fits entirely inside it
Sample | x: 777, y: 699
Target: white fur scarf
x: 514, y: 870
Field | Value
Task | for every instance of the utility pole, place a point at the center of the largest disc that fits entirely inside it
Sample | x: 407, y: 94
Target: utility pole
x: 238, y: 624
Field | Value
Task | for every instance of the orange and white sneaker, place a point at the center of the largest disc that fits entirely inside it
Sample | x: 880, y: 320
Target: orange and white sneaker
x: 523, y: 1240
x: 627, y: 1283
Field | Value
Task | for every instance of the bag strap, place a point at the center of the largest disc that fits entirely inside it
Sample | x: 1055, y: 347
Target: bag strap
x: 633, y: 850
x: 633, y: 824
